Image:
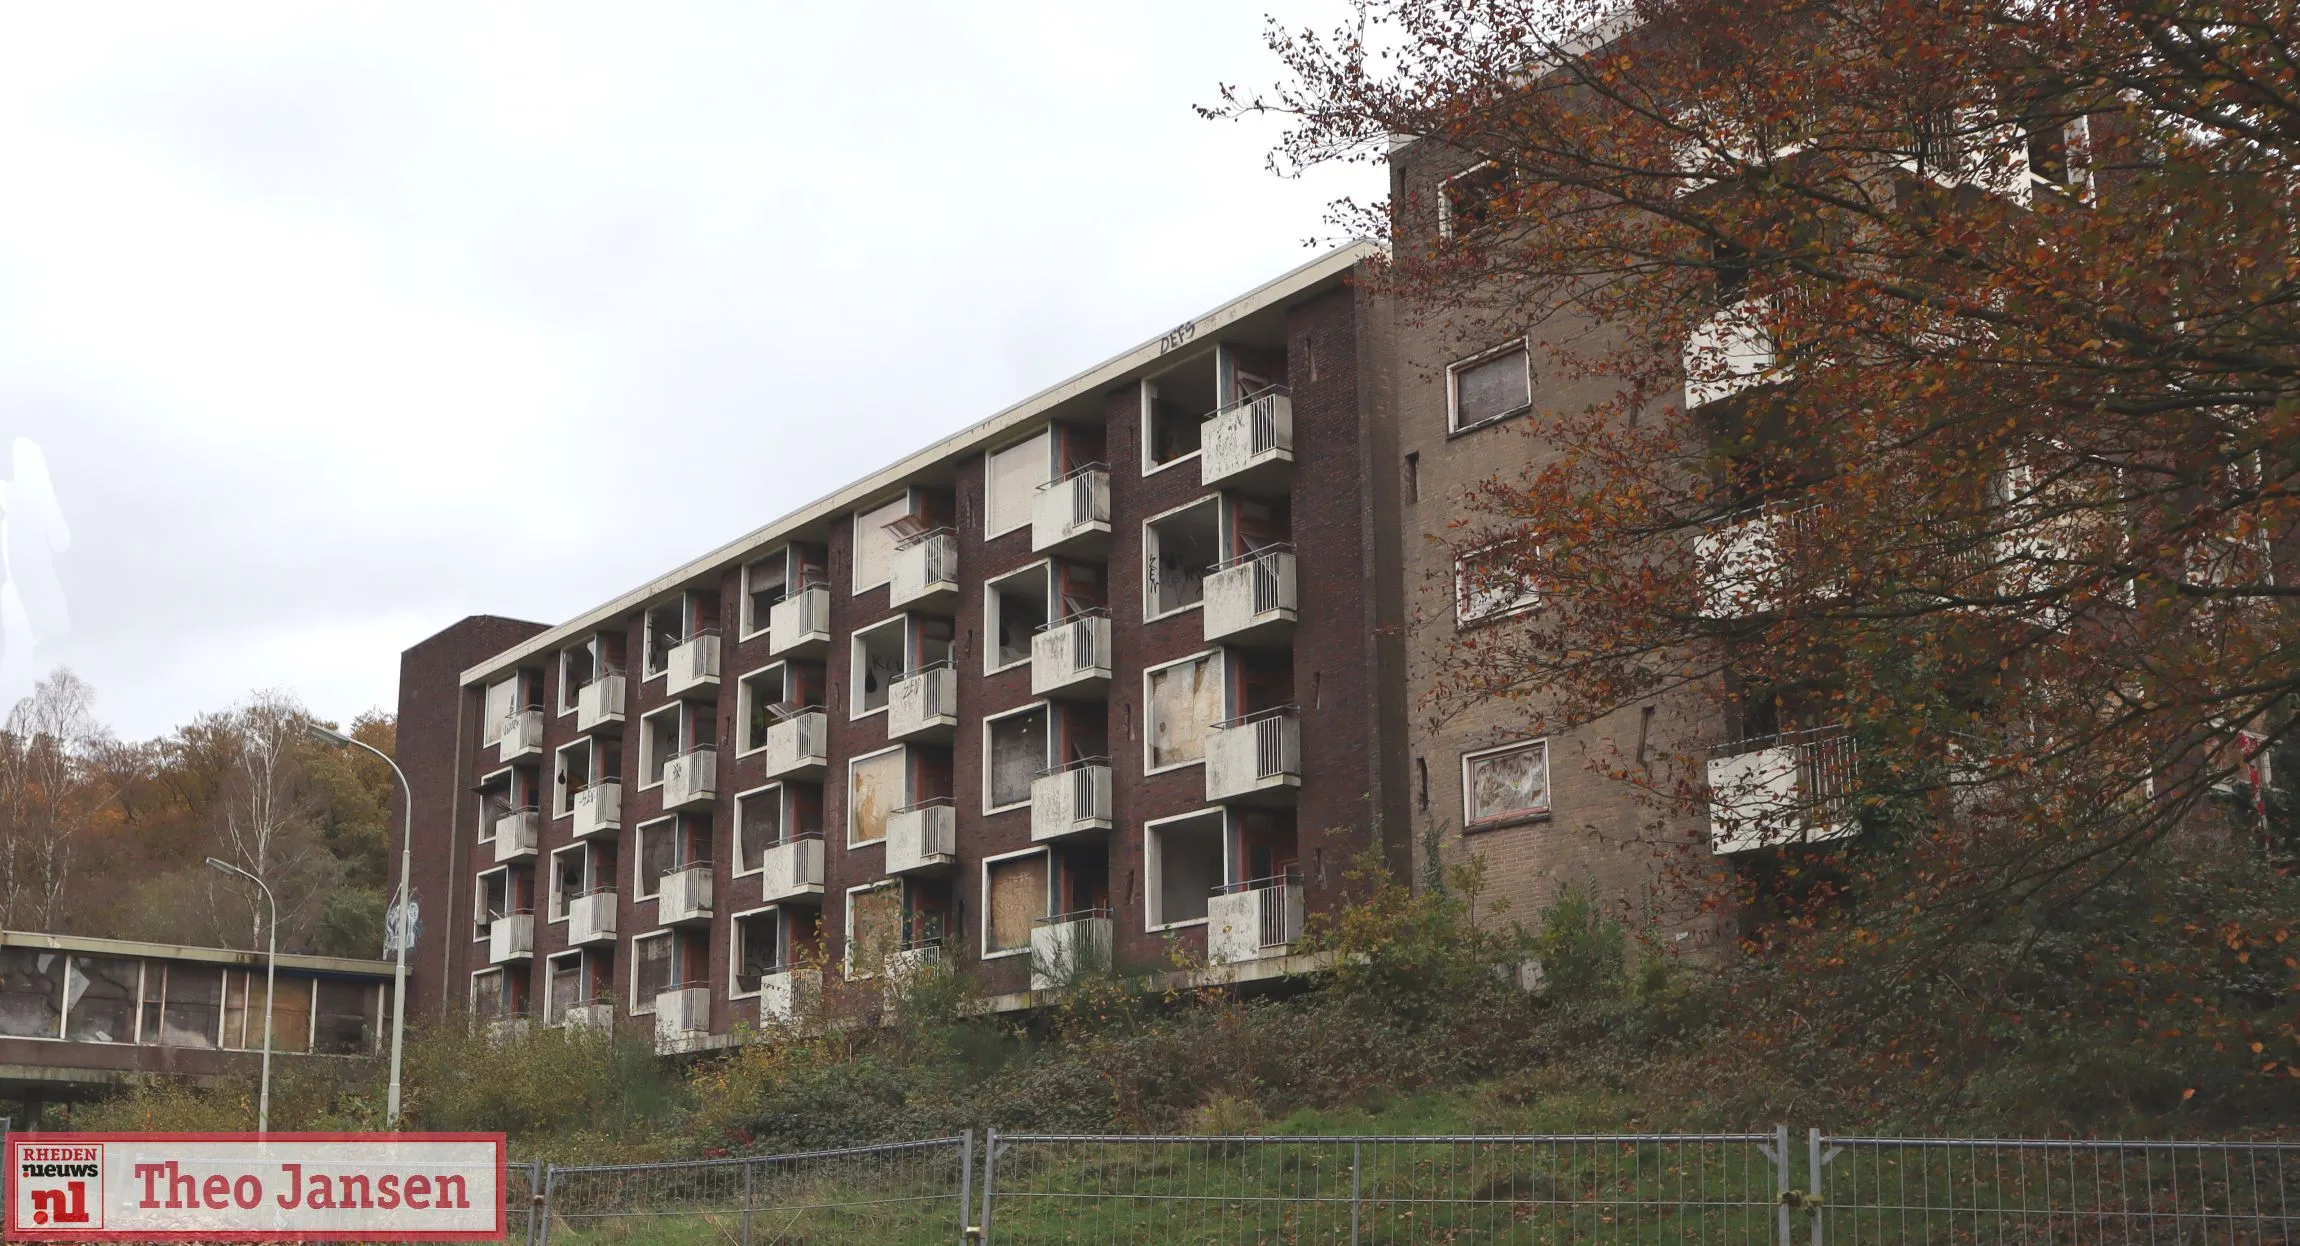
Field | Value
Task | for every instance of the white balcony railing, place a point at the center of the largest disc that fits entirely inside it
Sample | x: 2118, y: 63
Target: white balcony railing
x: 1251, y: 439
x: 795, y: 746
x: 924, y: 569
x: 691, y: 779
x: 522, y: 734
x: 1252, y: 597
x: 599, y: 809
x: 599, y: 703
x: 1746, y: 562
x: 593, y: 1016
x: 787, y: 994
x: 922, y: 838
x: 923, y: 702
x: 1072, y: 511
x: 685, y: 895
x: 510, y: 937
x: 694, y: 665
x: 591, y: 917
x: 1071, y: 657
x: 1067, y: 947
x: 1258, y: 756
x: 1252, y: 920
x: 1793, y: 788
x: 1731, y: 351
x: 801, y: 622
x: 792, y: 869
x: 682, y: 1017
x: 1074, y: 800
x: 516, y: 833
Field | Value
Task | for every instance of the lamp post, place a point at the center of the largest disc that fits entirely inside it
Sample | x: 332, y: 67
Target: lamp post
x: 271, y: 982
x: 406, y: 931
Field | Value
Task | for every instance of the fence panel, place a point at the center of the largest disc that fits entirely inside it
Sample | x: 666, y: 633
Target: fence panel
x: 902, y: 1193
x: 1925, y: 1190
x: 1676, y: 1188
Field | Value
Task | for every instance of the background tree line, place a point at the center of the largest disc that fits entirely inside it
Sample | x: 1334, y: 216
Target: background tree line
x: 107, y: 837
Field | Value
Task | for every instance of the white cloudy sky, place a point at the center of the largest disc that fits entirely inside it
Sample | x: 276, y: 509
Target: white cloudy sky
x: 340, y: 321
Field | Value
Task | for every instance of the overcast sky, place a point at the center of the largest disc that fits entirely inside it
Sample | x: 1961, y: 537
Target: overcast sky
x: 338, y: 322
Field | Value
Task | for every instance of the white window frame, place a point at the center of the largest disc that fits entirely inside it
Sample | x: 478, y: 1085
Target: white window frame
x: 1445, y: 198
x: 1042, y: 705
x: 636, y: 940
x: 748, y: 626
x: 551, y: 893
x: 559, y: 766
x: 735, y: 824
x: 989, y: 475
x: 852, y: 762
x: 743, y: 704
x: 568, y: 692
x: 575, y: 954
x: 490, y: 722
x: 486, y: 829
x: 1221, y: 677
x: 855, y: 648
x: 982, y: 887
x: 479, y: 899
x: 847, y: 946
x: 1453, y: 371
x: 1151, y: 876
x: 1150, y: 553
x: 647, y: 730
x: 735, y: 950
x: 647, y: 635
x: 1529, y: 599
x: 892, y: 508
x: 1548, y: 784
x: 1045, y: 569
x: 1142, y: 424
x: 492, y: 971
x: 638, y: 855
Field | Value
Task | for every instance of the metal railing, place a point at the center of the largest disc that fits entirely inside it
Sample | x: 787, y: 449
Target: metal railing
x: 1277, y: 913
x: 896, y: 1193
x: 1089, y: 493
x: 1268, y: 581
x: 1277, y: 751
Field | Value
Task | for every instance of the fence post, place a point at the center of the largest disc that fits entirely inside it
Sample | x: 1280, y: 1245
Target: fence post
x: 1819, y: 1209
x: 1781, y: 1181
x: 965, y: 1182
x: 750, y: 1171
x: 539, y: 1176
x: 1357, y: 1162
x: 989, y: 1176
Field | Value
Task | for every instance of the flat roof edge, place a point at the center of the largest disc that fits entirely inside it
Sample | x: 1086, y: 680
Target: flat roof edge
x: 177, y: 951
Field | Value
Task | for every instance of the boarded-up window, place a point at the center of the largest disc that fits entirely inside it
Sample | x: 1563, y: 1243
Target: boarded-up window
x: 487, y: 994
x: 1017, y: 900
x: 291, y: 1015
x: 1013, y: 476
x: 876, y: 787
x: 658, y: 855
x: 566, y: 987
x: 874, y: 544
x: 502, y: 698
x: 1183, y: 701
x: 1510, y: 782
x: 1491, y: 388
x: 758, y: 826
x: 100, y: 999
x: 874, y: 928
x: 1185, y: 864
x: 654, y: 971
x: 1017, y: 753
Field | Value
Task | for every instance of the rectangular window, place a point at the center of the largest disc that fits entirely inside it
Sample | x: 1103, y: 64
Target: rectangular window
x: 765, y: 583
x: 1489, y: 388
x: 564, y: 987
x: 762, y: 699
x: 659, y: 741
x: 570, y: 774
x: 1014, y: 609
x: 1015, y: 749
x: 1175, y: 404
x: 758, y: 949
x: 666, y: 630
x: 193, y: 1015
x: 1011, y: 478
x: 491, y: 901
x: 576, y: 665
x: 1184, y: 858
x: 1489, y: 583
x: 343, y: 1017
x: 758, y: 826
x: 502, y: 698
x: 653, y: 973
x: 567, y: 881
x: 1180, y: 702
x: 874, y: 543
x: 874, y: 927
x: 877, y: 785
x: 659, y: 854
x: 1177, y: 550
x: 1501, y: 784
x: 1468, y: 198
x: 103, y: 994
x: 1014, y: 895
x: 31, y: 993
x: 879, y: 660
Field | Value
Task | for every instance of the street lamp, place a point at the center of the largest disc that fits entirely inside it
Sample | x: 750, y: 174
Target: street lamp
x: 406, y: 931
x: 271, y: 981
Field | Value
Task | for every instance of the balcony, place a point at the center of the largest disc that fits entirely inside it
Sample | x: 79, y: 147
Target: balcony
x: 1253, y: 920
x: 599, y: 1016
x: 922, y: 838
x: 1733, y: 350
x: 599, y: 810
x: 1249, y: 447
x: 691, y: 780
x: 1250, y: 599
x: 1072, y: 658
x: 800, y: 624
x: 682, y: 1019
x: 904, y: 966
x: 1074, y: 800
x: 515, y: 835
x: 1793, y: 788
x: 599, y: 704
x: 786, y: 994
x: 792, y: 870
x: 694, y: 669
x: 1256, y: 759
x: 508, y: 1029
x: 924, y: 573
x: 591, y: 918
x: 685, y: 896
x: 522, y: 735
x: 511, y: 937
x: 1067, y: 947
x: 1072, y: 515
x: 1746, y: 563
x: 923, y: 705
x: 795, y: 746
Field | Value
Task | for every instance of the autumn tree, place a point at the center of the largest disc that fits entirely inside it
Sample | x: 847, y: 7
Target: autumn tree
x: 53, y: 789
x: 1952, y: 357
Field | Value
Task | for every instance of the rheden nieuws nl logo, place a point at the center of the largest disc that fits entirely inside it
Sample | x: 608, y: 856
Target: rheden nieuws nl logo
x: 60, y: 1185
